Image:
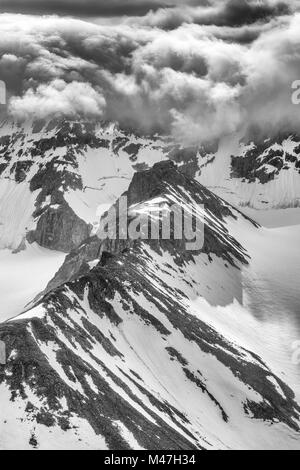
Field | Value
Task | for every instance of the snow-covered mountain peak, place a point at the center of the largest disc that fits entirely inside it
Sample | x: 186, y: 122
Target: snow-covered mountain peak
x: 154, y: 193
x: 130, y: 335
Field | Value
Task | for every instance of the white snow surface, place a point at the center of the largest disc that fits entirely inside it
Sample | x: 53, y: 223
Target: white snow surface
x: 271, y: 295
x: 23, y: 276
x: 16, y: 209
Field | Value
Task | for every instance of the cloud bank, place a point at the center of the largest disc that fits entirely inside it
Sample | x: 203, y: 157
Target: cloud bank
x: 195, y: 81
x: 81, y: 7
x: 233, y: 13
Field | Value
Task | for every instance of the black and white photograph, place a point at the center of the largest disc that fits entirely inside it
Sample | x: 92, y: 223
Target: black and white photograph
x: 149, y: 227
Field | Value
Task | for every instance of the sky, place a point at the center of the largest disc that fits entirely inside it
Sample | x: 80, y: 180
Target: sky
x: 196, y: 69
x: 82, y: 8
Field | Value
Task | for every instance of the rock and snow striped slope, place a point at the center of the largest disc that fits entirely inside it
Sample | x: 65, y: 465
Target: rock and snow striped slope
x: 124, y: 356
x: 58, y: 177
x: 259, y: 175
x: 64, y: 173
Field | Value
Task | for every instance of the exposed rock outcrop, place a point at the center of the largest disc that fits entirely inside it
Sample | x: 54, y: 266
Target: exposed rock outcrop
x: 59, y: 228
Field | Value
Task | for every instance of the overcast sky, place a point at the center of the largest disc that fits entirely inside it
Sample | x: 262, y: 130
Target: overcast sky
x: 82, y: 7
x: 197, y: 69
x: 235, y: 11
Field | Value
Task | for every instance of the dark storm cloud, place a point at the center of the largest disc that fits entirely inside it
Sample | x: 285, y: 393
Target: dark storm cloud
x: 198, y: 82
x: 234, y: 13
x: 82, y: 8
x: 241, y: 12
x: 245, y: 34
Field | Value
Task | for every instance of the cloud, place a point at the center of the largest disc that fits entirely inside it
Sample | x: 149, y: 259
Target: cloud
x: 59, y: 98
x: 82, y: 8
x: 198, y: 82
x: 232, y: 13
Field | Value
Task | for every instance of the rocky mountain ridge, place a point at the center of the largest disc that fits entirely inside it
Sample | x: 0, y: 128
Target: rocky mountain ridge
x: 60, y: 176
x: 108, y: 358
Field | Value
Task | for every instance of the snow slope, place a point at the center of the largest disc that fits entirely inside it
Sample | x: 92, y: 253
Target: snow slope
x: 272, y: 284
x: 268, y: 319
x: 23, y: 276
x: 16, y: 209
x: 140, y: 351
x: 274, y: 218
x: 252, y: 174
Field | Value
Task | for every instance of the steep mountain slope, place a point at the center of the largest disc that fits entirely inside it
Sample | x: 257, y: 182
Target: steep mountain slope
x: 258, y: 174
x: 56, y: 178
x: 65, y: 174
x: 120, y: 353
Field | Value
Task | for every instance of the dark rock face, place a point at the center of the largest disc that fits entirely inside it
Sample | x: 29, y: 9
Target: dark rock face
x: 266, y: 160
x: 165, y: 177
x: 20, y: 170
x: 151, y: 183
x: 59, y: 229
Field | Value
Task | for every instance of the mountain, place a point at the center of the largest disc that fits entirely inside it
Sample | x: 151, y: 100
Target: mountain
x: 60, y: 172
x: 105, y: 339
x: 56, y: 178
x: 64, y: 172
x: 123, y: 352
x: 261, y: 174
